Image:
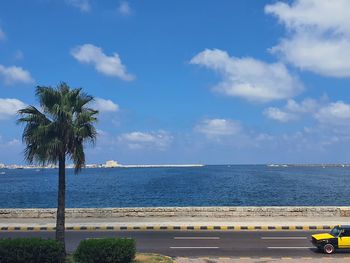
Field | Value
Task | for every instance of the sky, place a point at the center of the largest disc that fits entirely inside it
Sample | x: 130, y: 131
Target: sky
x: 212, y: 82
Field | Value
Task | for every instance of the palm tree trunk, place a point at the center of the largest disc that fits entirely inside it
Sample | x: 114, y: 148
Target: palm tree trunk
x: 60, y: 220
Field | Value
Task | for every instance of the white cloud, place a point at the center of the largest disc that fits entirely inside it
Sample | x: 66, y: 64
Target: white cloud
x: 318, y: 35
x: 13, y: 75
x: 124, y: 8
x: 103, y: 105
x: 320, y: 15
x: 293, y: 110
x: 2, y: 35
x: 249, y: 78
x: 278, y: 115
x: 306, y: 106
x: 329, y: 114
x: 107, y: 65
x: 218, y: 127
x: 83, y: 5
x: 227, y: 134
x: 9, y: 107
x: 152, y: 140
x: 14, y: 142
x: 336, y: 113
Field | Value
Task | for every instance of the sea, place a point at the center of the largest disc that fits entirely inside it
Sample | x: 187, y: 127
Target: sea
x: 210, y: 185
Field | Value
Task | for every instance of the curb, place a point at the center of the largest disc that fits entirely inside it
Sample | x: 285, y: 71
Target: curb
x: 176, y: 259
x: 170, y: 228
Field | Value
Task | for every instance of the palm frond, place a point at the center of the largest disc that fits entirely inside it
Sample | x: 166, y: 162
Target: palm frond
x: 65, y: 124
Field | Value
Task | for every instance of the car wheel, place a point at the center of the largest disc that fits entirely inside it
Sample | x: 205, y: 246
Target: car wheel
x: 328, y: 249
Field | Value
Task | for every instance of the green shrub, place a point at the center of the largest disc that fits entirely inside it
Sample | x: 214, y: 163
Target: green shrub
x: 31, y: 250
x: 105, y: 250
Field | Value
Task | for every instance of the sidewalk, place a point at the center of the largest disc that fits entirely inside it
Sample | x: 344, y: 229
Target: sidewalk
x: 181, y: 223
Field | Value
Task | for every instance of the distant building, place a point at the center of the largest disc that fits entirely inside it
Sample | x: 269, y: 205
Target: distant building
x: 2, y: 165
x: 111, y: 164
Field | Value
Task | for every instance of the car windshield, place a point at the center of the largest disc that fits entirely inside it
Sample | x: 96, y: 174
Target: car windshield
x: 335, y: 231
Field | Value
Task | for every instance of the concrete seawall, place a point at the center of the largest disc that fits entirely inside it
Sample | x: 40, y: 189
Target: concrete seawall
x: 188, y: 212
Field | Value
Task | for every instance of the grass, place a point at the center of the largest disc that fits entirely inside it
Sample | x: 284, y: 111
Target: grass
x: 69, y: 259
x: 140, y: 258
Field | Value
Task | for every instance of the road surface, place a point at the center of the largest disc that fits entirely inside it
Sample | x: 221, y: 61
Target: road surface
x: 203, y: 243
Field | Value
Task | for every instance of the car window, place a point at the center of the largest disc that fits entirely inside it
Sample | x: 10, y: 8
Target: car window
x: 335, y: 231
x: 346, y: 233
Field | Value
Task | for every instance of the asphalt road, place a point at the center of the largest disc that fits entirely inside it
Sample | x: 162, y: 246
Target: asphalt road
x: 203, y: 243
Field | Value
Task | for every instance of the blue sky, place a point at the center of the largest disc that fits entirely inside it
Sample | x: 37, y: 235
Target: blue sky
x: 187, y: 81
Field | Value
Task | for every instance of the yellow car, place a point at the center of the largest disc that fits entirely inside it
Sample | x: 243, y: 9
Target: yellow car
x: 338, y: 238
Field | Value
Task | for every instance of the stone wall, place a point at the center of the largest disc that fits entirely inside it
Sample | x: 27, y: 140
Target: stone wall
x: 217, y: 212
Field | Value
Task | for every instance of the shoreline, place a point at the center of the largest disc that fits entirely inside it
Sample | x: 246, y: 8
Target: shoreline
x: 179, y: 219
x: 191, y: 212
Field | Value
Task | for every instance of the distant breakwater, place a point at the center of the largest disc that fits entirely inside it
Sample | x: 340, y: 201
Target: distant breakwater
x: 98, y: 166
x: 309, y: 165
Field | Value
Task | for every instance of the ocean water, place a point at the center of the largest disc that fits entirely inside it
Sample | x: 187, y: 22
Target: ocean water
x: 217, y: 185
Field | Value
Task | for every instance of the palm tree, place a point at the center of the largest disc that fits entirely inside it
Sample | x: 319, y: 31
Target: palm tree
x: 57, y: 131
